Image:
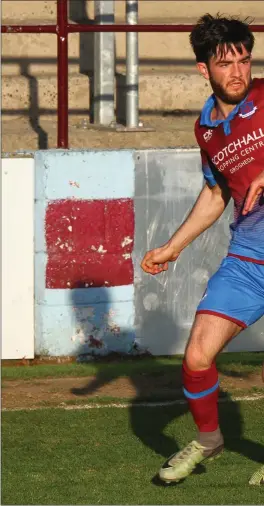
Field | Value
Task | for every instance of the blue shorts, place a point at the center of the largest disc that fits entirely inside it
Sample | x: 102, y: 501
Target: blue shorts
x: 235, y: 292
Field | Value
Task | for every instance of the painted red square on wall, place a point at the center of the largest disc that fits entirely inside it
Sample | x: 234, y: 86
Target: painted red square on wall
x: 89, y: 243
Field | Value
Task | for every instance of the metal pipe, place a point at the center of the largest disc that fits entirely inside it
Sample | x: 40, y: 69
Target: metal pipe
x: 78, y: 28
x: 104, y: 64
x: 132, y: 66
x: 29, y: 29
x: 62, y: 69
x: 75, y: 28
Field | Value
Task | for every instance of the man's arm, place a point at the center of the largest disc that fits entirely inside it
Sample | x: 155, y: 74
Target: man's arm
x: 209, y: 206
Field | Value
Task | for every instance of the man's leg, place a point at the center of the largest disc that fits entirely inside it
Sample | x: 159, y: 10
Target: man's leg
x: 234, y: 299
x: 200, y: 377
x: 200, y: 380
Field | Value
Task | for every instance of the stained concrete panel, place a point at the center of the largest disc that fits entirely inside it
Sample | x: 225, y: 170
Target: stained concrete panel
x: 167, y: 185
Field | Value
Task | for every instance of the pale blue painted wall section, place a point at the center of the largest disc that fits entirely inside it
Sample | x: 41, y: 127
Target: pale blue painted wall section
x: 86, y: 321
x: 81, y: 321
x: 84, y: 174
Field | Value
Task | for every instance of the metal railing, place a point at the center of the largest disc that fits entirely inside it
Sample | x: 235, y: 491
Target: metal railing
x: 63, y: 28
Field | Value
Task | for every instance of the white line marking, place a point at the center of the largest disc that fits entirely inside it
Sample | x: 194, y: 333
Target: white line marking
x: 125, y: 405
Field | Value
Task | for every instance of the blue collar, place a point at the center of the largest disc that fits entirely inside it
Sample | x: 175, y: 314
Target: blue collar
x: 205, y: 119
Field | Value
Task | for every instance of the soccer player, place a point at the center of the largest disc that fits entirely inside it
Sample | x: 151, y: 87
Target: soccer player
x: 230, y: 133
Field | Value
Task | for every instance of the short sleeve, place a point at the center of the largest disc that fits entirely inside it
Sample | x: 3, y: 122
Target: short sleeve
x: 208, y: 173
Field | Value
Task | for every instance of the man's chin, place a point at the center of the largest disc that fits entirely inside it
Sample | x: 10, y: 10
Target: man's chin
x: 235, y: 97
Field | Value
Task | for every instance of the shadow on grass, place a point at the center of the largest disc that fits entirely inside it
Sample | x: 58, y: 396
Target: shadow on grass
x: 149, y: 426
x: 163, y: 384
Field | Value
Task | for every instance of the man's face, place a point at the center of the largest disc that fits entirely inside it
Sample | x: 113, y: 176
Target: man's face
x: 229, y: 75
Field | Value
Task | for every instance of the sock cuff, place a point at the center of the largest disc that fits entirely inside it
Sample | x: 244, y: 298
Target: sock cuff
x: 200, y: 383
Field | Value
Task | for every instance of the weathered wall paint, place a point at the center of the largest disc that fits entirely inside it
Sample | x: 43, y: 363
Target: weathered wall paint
x: 167, y: 185
x: 155, y: 313
x: 89, y: 243
x: 86, y: 321
x: 85, y: 205
x: 84, y: 239
x: 84, y: 175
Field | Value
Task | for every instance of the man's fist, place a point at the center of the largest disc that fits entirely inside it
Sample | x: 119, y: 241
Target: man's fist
x: 156, y: 260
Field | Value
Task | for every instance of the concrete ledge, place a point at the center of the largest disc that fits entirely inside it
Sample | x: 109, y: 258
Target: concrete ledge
x: 23, y: 134
x: 157, y: 91
x: 37, y: 54
x: 46, y: 10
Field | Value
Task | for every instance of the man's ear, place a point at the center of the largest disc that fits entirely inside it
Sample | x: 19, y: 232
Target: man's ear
x: 202, y: 69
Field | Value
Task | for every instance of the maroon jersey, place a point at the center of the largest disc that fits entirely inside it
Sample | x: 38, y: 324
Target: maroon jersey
x: 233, y: 149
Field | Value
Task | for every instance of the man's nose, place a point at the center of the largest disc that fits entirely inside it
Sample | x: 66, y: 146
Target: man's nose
x: 236, y: 70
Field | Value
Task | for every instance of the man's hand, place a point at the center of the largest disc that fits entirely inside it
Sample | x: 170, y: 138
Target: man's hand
x: 156, y: 260
x: 255, y: 190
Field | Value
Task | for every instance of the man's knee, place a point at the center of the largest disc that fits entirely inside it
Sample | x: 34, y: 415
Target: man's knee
x: 198, y: 354
x: 196, y: 359
x: 209, y: 335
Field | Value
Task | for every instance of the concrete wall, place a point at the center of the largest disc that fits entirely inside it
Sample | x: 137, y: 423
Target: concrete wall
x: 84, y: 237
x: 96, y: 213
x: 90, y: 297
x: 17, y: 258
x: 167, y: 78
x: 167, y: 185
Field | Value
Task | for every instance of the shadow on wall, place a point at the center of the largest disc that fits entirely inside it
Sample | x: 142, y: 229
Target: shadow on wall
x: 103, y: 324
x: 100, y: 330
x: 33, y: 112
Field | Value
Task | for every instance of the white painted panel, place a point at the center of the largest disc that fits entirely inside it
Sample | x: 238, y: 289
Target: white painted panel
x: 17, y: 258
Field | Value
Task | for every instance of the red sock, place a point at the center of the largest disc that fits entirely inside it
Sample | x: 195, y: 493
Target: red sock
x: 202, y: 402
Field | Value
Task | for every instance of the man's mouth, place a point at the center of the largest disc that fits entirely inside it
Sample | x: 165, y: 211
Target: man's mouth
x: 236, y: 84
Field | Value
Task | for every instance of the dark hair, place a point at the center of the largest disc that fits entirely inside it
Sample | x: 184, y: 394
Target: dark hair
x: 211, y: 33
